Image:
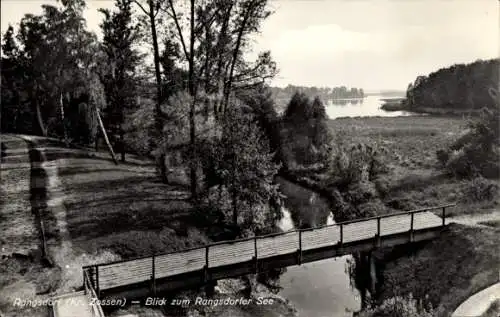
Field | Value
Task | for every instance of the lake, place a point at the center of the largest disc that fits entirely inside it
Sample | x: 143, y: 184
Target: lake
x: 365, y: 107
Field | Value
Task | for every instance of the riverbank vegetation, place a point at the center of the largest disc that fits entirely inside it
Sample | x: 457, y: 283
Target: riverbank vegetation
x: 437, y: 272
x: 394, y: 104
x: 401, y: 306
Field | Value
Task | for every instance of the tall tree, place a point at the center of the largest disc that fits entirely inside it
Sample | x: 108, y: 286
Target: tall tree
x: 12, y: 80
x: 213, y: 39
x: 119, y: 36
x: 56, y: 49
x: 151, y: 9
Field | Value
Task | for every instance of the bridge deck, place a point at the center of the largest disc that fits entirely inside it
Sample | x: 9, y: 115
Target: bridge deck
x: 122, y: 273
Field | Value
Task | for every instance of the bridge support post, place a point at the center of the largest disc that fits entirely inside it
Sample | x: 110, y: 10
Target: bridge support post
x: 411, y: 227
x: 153, y: 281
x: 377, y: 236
x: 299, y: 250
x: 377, y: 241
x: 341, y: 241
x: 210, y: 288
x: 206, y: 275
x: 255, y: 257
x: 97, y: 288
x: 373, y: 273
x: 443, y: 216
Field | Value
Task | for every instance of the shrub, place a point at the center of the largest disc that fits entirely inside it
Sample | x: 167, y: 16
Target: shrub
x: 480, y: 189
x: 476, y: 153
x: 400, y: 306
x: 355, y: 164
x: 139, y: 129
x: 443, y: 157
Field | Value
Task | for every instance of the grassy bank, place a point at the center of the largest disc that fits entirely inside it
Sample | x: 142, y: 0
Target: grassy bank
x: 415, y: 178
x: 124, y: 209
x: 398, y: 105
x: 445, y: 271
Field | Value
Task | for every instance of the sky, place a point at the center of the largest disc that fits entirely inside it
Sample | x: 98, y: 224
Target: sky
x: 370, y: 44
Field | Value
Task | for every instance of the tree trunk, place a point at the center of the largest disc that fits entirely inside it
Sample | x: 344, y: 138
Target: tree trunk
x: 227, y: 88
x: 61, y: 109
x: 105, y: 135
x: 159, y: 95
x: 234, y: 195
x: 221, y: 48
x: 122, y: 144
x: 43, y: 130
x: 192, y: 122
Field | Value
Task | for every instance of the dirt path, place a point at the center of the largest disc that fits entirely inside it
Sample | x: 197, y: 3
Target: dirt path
x: 60, y: 248
x: 478, y: 304
x: 476, y: 219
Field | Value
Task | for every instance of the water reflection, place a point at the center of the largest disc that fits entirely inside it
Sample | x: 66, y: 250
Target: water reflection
x: 345, y: 102
x: 368, y: 106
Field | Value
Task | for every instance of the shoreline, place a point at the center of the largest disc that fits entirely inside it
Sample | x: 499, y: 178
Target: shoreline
x: 399, y: 106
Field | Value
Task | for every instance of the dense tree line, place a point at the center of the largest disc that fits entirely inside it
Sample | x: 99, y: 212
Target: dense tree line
x: 48, y: 68
x: 324, y: 93
x: 282, y: 95
x: 458, y: 87
x: 199, y: 108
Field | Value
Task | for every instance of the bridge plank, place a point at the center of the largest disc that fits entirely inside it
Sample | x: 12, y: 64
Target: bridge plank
x: 360, y: 230
x: 224, y: 254
x: 124, y: 273
x: 426, y: 220
x: 277, y: 245
x: 396, y: 224
x: 177, y: 263
x: 321, y: 237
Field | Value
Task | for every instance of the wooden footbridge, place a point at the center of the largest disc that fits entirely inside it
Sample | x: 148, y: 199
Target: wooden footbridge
x: 141, y: 277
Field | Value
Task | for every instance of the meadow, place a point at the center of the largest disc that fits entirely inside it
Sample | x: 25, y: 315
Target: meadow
x: 463, y: 260
x: 415, y: 178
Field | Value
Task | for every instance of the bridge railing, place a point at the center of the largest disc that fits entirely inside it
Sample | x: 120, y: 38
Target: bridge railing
x: 91, y: 294
x: 149, y: 268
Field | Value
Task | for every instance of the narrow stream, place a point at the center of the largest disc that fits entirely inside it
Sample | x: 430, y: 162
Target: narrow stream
x: 322, y: 288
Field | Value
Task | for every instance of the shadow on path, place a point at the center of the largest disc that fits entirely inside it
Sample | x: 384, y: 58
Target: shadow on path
x: 38, y: 197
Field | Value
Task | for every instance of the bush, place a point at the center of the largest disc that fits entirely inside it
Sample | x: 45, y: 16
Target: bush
x: 139, y: 128
x: 476, y: 153
x: 480, y: 189
x: 443, y: 157
x: 356, y: 164
x: 400, y: 307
